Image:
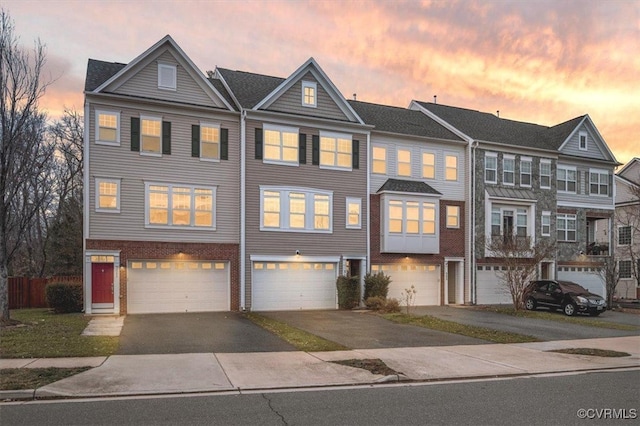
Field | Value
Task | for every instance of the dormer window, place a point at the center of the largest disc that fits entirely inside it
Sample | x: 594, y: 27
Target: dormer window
x: 167, y: 76
x: 582, y: 140
x: 309, y: 94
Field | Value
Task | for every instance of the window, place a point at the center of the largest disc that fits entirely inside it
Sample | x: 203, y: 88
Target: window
x: 546, y: 224
x: 566, y: 225
x: 180, y: 206
x: 509, y: 221
x: 281, y: 144
x: 453, y: 216
x: 582, y: 141
x: 490, y: 167
x: 624, y: 269
x: 496, y: 218
x: 411, y: 217
x: 509, y: 168
x: 335, y: 150
x: 545, y: 174
x: 309, y: 98
x: 624, y: 235
x: 428, y: 165
x: 379, y: 160
x: 354, y: 213
x: 599, y: 182
x: 566, y: 179
x: 451, y: 167
x: 151, y: 135
x: 296, y: 210
x: 108, y: 195
x: 525, y: 171
x: 521, y: 223
x: 107, y: 128
x: 167, y: 76
x: 404, y: 162
x: 209, y: 141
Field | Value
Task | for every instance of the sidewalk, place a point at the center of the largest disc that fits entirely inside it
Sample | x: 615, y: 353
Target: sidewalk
x: 121, y: 375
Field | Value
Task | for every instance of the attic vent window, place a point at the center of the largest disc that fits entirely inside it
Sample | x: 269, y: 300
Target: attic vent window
x: 309, y: 94
x: 167, y: 76
x: 583, y: 141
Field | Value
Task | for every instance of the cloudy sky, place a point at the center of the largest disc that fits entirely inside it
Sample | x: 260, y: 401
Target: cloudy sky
x: 540, y: 61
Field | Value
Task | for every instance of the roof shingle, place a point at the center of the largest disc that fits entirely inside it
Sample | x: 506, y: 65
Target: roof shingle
x: 416, y: 187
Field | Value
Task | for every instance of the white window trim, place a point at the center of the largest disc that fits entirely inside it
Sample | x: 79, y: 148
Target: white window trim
x: 598, y: 172
x: 544, y: 161
x: 281, y: 129
x: 174, y: 69
x: 150, y: 118
x: 586, y: 141
x: 452, y: 154
x: 386, y: 159
x: 170, y: 186
x: 618, y: 236
x: 398, y: 161
x: 97, y: 113
x: 530, y: 161
x: 491, y: 155
x: 542, y: 233
x: 513, y: 171
x: 567, y: 168
x: 446, y: 219
x: 215, y: 126
x: 404, y: 200
x: 284, y: 209
x: 358, y: 201
x: 334, y: 135
x: 435, y: 161
x: 567, y: 217
x: 314, y: 86
x: 118, y: 183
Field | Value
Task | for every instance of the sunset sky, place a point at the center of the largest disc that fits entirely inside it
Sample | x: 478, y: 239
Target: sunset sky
x: 543, y: 62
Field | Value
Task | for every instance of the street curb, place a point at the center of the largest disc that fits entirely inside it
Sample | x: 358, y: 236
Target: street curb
x: 17, y: 395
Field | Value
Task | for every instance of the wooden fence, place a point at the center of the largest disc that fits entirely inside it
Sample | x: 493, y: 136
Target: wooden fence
x: 30, y: 292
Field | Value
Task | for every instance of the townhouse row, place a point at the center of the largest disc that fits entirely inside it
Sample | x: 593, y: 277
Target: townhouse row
x: 241, y: 191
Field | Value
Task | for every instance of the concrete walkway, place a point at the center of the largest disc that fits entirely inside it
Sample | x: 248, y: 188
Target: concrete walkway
x: 121, y: 375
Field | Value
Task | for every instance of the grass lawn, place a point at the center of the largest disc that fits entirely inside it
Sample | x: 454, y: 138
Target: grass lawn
x: 300, y: 339
x: 44, y: 334
x: 33, y: 378
x: 558, y: 316
x: 592, y: 352
x: 456, y: 328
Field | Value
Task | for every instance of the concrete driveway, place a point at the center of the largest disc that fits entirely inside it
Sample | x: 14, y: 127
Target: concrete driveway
x: 365, y: 330
x: 196, y: 333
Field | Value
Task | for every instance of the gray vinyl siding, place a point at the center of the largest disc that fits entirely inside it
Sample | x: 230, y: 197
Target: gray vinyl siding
x: 594, y: 150
x: 582, y: 195
x: 179, y: 168
x: 452, y: 190
x: 145, y: 84
x: 291, y: 102
x: 344, y: 184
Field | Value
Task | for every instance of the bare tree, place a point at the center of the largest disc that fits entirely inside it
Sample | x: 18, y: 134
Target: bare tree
x: 24, y: 152
x: 609, y: 272
x: 520, y: 258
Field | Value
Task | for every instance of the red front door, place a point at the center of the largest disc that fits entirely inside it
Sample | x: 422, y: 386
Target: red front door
x: 102, y: 283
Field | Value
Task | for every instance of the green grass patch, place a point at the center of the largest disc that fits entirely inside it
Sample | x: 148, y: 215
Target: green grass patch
x: 300, y: 339
x: 559, y: 316
x: 32, y: 378
x: 457, y: 328
x: 591, y: 352
x: 43, y: 334
x: 374, y: 366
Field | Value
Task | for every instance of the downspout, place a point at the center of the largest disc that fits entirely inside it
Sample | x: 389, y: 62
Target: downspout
x: 368, y: 204
x: 472, y: 264
x: 85, y: 207
x: 243, y: 155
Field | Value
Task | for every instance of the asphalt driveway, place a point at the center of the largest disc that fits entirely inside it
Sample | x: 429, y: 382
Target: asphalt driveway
x: 208, y: 332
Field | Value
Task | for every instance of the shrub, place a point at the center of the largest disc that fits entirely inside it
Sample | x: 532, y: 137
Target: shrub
x: 391, y: 306
x: 348, y: 292
x: 64, y: 297
x: 376, y: 285
x: 379, y: 304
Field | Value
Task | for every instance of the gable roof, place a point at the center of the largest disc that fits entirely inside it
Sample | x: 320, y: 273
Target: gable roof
x: 625, y: 172
x: 101, y: 75
x: 401, y: 121
x: 411, y: 186
x: 248, y: 88
x: 579, y: 122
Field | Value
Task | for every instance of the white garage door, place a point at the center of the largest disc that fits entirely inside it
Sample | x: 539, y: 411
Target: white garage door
x: 155, y: 286
x: 292, y: 286
x: 425, y: 279
x: 490, y: 289
x: 586, y: 277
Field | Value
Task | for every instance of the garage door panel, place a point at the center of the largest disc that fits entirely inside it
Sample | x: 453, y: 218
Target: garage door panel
x: 490, y: 289
x: 586, y: 278
x: 425, y: 279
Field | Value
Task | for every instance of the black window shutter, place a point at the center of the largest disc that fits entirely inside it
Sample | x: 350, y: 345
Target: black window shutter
x: 166, y: 137
x: 135, y: 134
x: 355, y: 151
x: 302, y: 148
x: 258, y: 143
x: 224, y: 144
x: 195, y: 140
x: 315, y: 150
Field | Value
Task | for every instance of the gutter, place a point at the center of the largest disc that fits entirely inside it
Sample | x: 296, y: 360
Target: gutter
x: 243, y: 210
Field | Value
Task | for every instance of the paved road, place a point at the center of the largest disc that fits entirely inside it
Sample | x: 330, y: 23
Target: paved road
x: 219, y: 332
x: 548, y: 401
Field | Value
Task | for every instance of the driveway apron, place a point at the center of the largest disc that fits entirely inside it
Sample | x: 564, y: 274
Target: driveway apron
x: 196, y: 333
